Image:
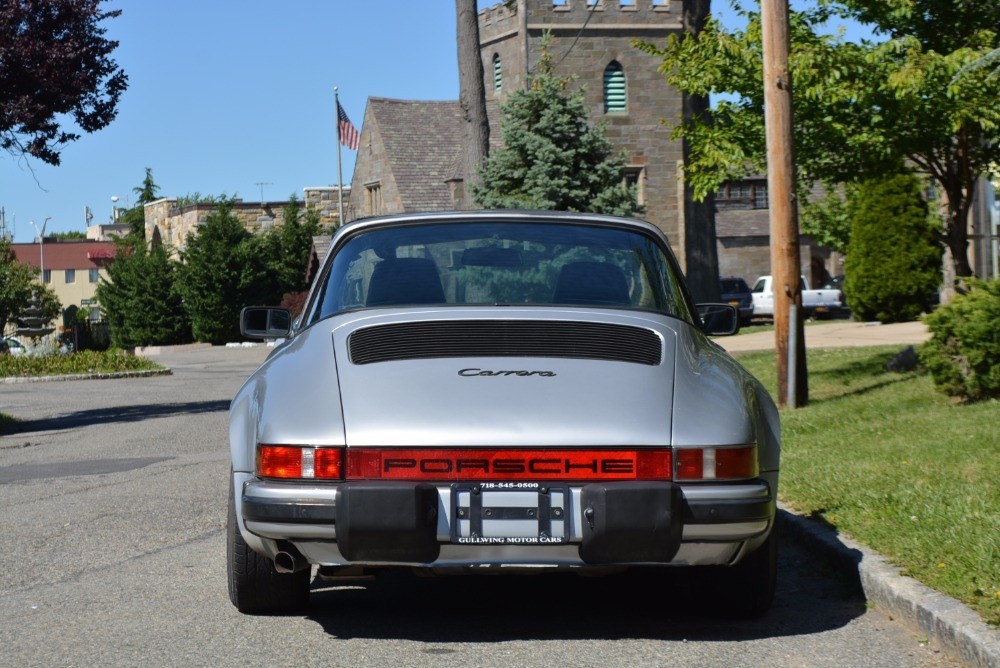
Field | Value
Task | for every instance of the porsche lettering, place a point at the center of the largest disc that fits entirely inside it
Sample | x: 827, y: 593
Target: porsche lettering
x: 540, y: 465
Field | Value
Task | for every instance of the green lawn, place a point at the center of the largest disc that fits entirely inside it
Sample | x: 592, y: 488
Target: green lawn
x: 888, y: 460
x: 84, y: 362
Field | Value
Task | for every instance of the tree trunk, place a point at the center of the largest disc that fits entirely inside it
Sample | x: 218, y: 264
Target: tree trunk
x: 958, y: 238
x: 701, y: 258
x: 472, y: 97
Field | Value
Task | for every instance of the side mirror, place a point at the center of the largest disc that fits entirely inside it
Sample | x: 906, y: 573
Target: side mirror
x: 718, y: 319
x: 265, y: 322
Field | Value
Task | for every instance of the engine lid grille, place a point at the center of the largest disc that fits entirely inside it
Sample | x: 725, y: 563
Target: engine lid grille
x: 504, y: 338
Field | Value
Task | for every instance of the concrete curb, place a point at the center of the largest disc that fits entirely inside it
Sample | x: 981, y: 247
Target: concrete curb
x: 948, y: 624
x: 159, y: 350
x: 13, y: 380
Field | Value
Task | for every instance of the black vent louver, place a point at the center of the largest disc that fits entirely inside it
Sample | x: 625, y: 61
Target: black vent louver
x: 504, y: 338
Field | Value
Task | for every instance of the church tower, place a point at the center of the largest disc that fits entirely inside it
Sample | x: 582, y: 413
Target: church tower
x: 592, y: 41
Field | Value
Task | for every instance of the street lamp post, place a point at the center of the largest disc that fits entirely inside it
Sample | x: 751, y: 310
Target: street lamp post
x: 41, y: 245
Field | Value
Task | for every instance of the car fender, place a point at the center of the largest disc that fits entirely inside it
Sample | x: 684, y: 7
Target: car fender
x: 286, y: 402
x: 718, y: 402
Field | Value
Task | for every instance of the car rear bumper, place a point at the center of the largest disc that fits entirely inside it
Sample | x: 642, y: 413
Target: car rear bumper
x: 419, y: 523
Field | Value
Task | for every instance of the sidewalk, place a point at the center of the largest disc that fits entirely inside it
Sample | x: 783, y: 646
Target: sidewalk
x: 835, y: 334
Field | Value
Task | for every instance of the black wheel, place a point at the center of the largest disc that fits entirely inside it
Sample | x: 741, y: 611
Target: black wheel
x: 255, y: 587
x: 746, y: 590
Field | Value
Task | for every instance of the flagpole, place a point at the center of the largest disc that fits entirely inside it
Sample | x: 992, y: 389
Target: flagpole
x: 340, y: 174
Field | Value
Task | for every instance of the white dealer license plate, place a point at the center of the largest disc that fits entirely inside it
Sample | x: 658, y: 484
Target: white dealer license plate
x: 509, y: 513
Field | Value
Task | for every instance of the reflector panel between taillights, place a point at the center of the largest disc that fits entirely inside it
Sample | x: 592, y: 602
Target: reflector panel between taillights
x: 445, y: 464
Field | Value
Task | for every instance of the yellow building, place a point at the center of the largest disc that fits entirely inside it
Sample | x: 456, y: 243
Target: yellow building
x: 72, y: 268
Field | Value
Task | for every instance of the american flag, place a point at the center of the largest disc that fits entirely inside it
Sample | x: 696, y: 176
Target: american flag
x: 348, y: 134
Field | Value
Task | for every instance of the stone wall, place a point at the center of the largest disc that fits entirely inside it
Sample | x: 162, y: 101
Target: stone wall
x: 172, y: 224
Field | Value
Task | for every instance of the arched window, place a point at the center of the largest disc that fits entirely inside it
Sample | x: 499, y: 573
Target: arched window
x: 614, y: 87
x: 497, y: 73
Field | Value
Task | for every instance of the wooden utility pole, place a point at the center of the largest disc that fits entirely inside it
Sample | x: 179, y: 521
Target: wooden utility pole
x: 784, y: 224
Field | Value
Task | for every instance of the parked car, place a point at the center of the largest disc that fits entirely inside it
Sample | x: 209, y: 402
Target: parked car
x: 500, y: 390
x: 815, y: 303
x: 12, y: 346
x: 735, y: 291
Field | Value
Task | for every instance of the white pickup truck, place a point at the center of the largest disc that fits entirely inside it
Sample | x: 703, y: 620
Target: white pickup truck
x: 817, y: 303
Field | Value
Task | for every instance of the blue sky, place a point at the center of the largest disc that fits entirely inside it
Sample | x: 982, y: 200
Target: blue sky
x: 226, y: 94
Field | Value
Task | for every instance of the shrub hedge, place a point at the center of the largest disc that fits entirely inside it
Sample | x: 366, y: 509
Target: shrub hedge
x: 963, y: 355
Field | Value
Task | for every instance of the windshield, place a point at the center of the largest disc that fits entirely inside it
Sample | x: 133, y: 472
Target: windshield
x: 500, y: 263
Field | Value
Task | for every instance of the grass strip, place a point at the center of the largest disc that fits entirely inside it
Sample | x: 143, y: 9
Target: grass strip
x: 83, y: 362
x: 898, y: 466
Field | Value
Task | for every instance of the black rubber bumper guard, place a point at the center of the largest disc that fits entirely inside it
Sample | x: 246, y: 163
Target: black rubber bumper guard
x: 623, y: 522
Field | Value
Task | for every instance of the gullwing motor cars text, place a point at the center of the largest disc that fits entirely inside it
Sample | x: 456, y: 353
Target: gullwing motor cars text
x: 499, y: 390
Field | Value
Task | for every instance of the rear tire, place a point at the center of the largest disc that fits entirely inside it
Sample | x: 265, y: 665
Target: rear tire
x: 746, y: 590
x: 255, y: 587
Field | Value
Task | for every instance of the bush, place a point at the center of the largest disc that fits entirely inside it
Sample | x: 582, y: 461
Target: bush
x: 963, y: 355
x: 893, y: 263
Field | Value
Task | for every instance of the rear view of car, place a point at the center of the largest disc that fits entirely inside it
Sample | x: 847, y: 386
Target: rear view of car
x: 499, y: 390
x: 735, y: 291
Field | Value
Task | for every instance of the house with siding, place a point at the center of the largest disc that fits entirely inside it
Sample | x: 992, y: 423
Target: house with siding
x: 72, y: 268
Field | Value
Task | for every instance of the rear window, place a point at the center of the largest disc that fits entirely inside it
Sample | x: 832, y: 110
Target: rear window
x: 734, y: 285
x: 500, y: 263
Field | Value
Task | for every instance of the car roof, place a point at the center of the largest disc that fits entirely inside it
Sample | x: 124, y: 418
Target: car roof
x: 509, y: 215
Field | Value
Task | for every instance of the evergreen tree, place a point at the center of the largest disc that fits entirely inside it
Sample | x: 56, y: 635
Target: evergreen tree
x: 893, y: 264
x: 552, y: 158
x: 140, y: 299
x: 216, y: 276
x: 146, y: 191
x: 135, y: 217
x: 276, y: 261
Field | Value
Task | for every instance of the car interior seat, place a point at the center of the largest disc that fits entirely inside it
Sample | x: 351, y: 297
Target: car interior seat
x: 596, y: 283
x: 403, y: 281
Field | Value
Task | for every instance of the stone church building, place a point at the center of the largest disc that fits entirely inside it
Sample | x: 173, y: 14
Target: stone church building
x: 400, y: 169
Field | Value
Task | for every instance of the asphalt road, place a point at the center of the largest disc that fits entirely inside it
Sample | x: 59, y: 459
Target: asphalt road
x: 113, y: 503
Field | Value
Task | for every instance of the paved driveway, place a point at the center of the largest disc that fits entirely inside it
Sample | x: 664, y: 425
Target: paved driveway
x: 836, y: 334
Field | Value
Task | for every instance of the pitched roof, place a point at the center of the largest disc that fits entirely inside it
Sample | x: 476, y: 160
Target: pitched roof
x: 67, y: 254
x: 423, y: 142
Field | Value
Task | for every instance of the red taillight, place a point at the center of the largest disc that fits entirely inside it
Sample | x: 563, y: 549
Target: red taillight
x: 690, y: 463
x: 445, y: 464
x: 715, y: 463
x: 732, y: 463
x: 329, y: 463
x: 294, y: 462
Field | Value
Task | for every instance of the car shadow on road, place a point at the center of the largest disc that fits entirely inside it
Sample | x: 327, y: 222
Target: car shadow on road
x: 113, y: 414
x: 665, y: 604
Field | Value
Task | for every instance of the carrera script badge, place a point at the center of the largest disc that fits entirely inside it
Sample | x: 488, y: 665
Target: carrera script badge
x: 487, y: 372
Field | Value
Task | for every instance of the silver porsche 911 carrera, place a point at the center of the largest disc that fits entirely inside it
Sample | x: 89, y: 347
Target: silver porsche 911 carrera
x: 500, y: 391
